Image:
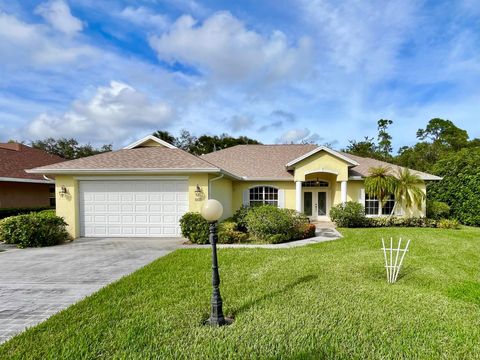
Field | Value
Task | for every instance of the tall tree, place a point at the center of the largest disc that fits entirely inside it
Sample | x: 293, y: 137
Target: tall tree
x: 445, y: 133
x: 384, y: 138
x: 364, y: 148
x: 69, y: 148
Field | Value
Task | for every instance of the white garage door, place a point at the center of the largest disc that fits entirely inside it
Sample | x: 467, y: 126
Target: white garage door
x: 132, y: 208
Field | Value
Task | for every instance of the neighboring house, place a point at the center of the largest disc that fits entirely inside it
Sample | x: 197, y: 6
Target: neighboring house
x: 144, y: 189
x: 19, y: 189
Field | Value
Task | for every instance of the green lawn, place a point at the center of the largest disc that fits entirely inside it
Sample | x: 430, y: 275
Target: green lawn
x: 328, y: 300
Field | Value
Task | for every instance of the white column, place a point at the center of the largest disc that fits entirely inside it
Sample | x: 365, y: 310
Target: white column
x: 343, y: 189
x: 298, y: 196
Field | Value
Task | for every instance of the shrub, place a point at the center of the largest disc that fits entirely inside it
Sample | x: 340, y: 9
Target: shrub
x: 20, y: 211
x: 277, y: 238
x: 306, y: 231
x: 387, y: 221
x: 34, y: 230
x: 350, y: 214
x: 194, y: 227
x: 267, y: 220
x: 448, y: 224
x: 240, y: 218
x: 228, y: 233
x: 437, y: 210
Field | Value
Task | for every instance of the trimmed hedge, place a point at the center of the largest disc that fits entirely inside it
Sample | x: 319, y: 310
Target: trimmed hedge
x: 437, y: 210
x: 228, y: 233
x: 273, y: 225
x: 20, y: 211
x: 350, y: 215
x: 34, y: 230
x: 194, y: 227
x: 265, y: 223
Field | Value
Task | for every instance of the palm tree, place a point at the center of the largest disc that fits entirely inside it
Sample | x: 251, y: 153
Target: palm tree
x: 407, y: 190
x: 380, y: 183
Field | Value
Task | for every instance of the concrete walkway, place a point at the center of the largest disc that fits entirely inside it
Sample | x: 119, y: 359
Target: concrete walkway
x: 36, y: 283
x: 321, y: 235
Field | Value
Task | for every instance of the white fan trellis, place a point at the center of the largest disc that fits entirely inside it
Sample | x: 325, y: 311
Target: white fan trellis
x: 392, y: 264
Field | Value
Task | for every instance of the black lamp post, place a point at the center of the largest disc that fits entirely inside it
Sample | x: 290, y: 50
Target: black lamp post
x: 212, y: 210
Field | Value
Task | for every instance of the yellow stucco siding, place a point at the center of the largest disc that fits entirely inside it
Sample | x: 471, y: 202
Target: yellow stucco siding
x: 415, y: 211
x: 240, y: 186
x: 195, y: 202
x: 222, y: 190
x: 67, y: 204
x: 354, y: 188
x: 150, y: 143
x: 321, y: 161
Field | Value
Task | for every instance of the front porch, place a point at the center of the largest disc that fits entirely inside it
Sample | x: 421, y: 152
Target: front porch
x: 317, y: 193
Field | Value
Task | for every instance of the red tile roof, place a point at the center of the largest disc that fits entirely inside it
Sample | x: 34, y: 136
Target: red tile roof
x: 15, y: 158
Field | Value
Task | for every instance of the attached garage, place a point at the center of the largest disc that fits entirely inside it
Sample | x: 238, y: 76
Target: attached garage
x: 132, y: 208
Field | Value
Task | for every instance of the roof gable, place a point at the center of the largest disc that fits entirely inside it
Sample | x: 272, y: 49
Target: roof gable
x: 318, y: 149
x: 150, y: 141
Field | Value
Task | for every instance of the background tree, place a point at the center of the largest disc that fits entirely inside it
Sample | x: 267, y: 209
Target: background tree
x: 69, y: 148
x: 205, y: 143
x: 384, y: 147
x: 165, y: 136
x: 460, y: 187
x: 364, y: 148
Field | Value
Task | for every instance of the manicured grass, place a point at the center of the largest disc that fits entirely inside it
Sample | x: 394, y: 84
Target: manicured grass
x: 328, y: 300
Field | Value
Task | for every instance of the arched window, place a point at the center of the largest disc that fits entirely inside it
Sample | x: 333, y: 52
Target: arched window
x: 263, y: 195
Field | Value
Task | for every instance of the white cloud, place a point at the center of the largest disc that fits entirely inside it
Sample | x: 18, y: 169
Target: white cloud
x: 114, y: 112
x: 57, y: 14
x: 144, y: 17
x: 31, y: 44
x: 293, y: 136
x: 224, y: 48
x: 361, y: 36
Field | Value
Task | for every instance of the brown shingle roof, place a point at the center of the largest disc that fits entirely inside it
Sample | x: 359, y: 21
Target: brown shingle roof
x: 258, y: 161
x: 268, y: 161
x: 148, y: 158
x: 16, y: 158
x: 366, y: 163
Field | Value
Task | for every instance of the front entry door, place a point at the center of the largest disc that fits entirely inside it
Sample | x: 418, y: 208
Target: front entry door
x: 315, y: 204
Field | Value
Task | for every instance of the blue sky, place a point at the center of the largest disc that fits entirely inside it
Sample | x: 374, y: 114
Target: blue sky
x: 113, y: 71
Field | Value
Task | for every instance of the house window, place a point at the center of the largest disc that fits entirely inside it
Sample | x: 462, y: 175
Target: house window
x: 389, y: 205
x: 372, y: 206
x: 315, y: 183
x: 51, y: 190
x: 263, y: 195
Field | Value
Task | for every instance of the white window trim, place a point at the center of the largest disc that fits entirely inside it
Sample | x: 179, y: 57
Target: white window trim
x: 380, y: 208
x: 264, y: 186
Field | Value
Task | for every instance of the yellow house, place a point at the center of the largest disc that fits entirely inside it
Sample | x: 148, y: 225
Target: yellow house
x: 143, y: 189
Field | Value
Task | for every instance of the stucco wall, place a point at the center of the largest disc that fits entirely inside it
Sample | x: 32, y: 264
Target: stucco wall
x: 16, y: 195
x: 222, y: 190
x: 321, y: 161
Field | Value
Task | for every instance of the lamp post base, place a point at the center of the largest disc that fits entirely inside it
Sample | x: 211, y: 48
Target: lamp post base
x: 219, y: 322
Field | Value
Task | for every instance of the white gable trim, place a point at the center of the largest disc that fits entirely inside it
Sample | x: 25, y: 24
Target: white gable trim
x: 324, y: 148
x: 148, y: 138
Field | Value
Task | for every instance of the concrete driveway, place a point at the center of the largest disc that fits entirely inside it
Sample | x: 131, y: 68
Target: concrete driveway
x: 36, y: 283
